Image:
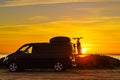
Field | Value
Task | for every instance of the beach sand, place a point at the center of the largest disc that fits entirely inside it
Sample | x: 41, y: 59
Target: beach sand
x: 101, y: 74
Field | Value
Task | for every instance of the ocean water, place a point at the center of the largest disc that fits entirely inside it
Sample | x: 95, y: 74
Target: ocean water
x: 3, y: 55
x: 114, y: 56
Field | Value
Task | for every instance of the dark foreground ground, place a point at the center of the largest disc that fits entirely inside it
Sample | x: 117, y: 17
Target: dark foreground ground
x: 100, y: 74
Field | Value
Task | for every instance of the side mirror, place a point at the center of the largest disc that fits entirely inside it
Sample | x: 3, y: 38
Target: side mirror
x: 20, y: 52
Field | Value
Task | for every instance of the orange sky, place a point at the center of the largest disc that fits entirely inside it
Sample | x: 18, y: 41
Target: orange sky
x: 24, y: 21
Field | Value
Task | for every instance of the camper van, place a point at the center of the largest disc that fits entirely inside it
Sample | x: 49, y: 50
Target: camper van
x: 54, y: 54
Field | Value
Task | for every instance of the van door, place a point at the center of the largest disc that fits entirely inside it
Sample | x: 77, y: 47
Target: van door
x: 42, y: 55
x: 24, y: 58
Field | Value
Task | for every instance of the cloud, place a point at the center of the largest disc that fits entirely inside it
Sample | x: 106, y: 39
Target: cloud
x: 109, y: 18
x: 82, y: 12
x: 88, y: 20
x: 7, y: 3
x: 38, y: 18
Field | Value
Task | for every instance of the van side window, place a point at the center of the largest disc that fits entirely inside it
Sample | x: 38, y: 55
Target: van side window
x: 26, y: 50
x: 29, y: 50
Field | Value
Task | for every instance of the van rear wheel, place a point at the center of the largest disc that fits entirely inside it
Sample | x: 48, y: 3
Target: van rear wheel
x: 59, y: 66
x: 13, y: 67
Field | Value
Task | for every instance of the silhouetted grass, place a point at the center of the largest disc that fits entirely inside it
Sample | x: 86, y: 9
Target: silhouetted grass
x: 98, y: 62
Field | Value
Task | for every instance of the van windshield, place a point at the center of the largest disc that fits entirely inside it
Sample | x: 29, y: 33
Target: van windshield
x: 25, y: 49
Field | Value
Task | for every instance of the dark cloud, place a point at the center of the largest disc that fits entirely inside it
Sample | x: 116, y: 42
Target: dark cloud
x: 2, y: 1
x: 5, y: 1
x: 76, y: 10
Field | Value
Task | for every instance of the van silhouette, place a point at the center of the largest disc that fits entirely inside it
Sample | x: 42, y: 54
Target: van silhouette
x: 55, y: 54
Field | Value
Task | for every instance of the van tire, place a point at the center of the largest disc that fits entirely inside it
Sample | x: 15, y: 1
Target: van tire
x: 13, y: 67
x: 59, y: 66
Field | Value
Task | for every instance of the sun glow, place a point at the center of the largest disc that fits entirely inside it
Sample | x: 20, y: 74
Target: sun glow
x: 83, y: 50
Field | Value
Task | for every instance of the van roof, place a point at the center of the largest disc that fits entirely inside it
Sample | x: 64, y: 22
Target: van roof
x: 37, y: 43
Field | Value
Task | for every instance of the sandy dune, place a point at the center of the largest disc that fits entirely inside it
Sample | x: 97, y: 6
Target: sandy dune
x: 67, y: 75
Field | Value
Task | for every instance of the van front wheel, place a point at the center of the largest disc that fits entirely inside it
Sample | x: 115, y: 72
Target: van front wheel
x: 13, y: 67
x: 59, y: 66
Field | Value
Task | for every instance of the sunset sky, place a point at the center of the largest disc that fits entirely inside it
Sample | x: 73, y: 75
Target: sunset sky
x: 25, y: 21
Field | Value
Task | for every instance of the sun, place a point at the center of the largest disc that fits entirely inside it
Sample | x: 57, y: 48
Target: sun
x: 83, y: 50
